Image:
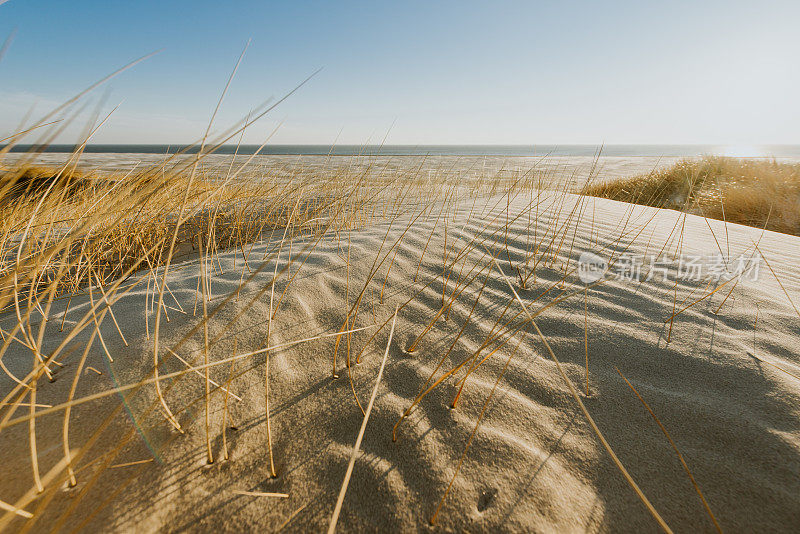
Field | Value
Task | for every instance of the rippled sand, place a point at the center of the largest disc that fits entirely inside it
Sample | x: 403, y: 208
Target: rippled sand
x: 534, y: 463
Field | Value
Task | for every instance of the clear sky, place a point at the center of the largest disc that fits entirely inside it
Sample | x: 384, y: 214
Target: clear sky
x: 717, y: 72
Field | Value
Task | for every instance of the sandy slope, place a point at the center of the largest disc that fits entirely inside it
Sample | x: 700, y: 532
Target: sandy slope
x: 534, y: 464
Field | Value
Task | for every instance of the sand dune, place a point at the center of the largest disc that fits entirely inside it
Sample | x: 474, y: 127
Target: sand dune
x: 534, y: 463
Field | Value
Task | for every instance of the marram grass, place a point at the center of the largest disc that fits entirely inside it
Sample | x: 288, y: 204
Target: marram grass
x: 754, y: 192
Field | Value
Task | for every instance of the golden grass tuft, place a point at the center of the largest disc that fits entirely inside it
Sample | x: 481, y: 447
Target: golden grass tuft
x: 753, y: 192
x: 78, y: 226
x: 32, y: 181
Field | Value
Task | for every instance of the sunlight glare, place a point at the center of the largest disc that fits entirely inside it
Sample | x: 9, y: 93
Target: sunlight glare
x: 743, y: 151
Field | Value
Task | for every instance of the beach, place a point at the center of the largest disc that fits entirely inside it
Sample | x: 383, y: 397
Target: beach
x: 500, y: 267
x: 499, y: 350
x: 571, y: 169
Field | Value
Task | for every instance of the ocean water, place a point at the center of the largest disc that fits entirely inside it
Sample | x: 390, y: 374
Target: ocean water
x: 778, y: 151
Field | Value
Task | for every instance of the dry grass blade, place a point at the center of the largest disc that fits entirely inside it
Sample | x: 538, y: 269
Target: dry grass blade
x: 17, y: 509
x: 778, y: 367
x: 777, y: 279
x: 14, y: 421
x: 206, y: 349
x: 474, y: 430
x: 261, y: 494
x: 675, y: 448
x: 14, y: 510
x: 586, y: 414
x: 291, y: 516
x: 338, y: 508
x: 129, y: 464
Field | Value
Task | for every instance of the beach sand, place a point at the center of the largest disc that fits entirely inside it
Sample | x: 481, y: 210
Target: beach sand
x: 534, y: 463
x: 573, y: 170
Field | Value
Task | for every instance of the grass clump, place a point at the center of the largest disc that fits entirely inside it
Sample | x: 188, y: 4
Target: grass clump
x: 33, y: 182
x: 754, y: 192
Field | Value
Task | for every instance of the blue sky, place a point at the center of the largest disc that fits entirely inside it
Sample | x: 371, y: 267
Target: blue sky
x: 442, y: 72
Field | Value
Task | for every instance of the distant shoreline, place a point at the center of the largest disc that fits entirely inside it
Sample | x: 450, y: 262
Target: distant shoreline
x: 779, y: 151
